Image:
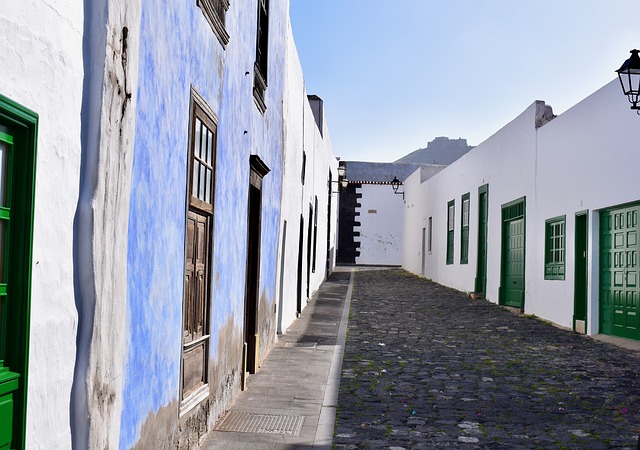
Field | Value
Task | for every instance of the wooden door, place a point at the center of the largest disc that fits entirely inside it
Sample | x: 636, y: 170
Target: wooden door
x: 195, y: 305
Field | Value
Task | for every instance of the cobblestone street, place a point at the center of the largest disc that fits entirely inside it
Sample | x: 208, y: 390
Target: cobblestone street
x: 427, y: 367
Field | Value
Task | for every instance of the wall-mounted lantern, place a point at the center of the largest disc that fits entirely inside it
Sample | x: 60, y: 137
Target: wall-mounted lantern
x: 629, y: 74
x: 342, y: 178
x: 395, y: 185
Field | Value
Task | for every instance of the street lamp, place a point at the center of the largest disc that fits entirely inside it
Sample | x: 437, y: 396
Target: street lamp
x: 342, y: 181
x: 629, y: 74
x: 395, y: 184
x: 342, y: 171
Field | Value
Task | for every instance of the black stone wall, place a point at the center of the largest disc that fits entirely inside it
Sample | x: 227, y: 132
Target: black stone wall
x: 348, y: 249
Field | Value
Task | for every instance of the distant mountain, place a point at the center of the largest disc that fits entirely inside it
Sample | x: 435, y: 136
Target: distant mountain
x: 441, y: 150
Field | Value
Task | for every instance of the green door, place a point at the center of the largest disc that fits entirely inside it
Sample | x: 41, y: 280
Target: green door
x: 513, y: 255
x: 619, y: 290
x: 580, y: 275
x: 17, y: 178
x: 481, y: 268
x: 8, y: 378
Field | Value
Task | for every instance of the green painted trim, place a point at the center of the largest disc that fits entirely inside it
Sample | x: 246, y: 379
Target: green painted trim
x: 515, y: 202
x: 480, y: 282
x: 547, y: 241
x: 464, y: 229
x: 23, y: 125
x: 576, y: 280
x: 6, y: 138
x: 606, y: 324
x: 451, y: 233
x: 504, y: 207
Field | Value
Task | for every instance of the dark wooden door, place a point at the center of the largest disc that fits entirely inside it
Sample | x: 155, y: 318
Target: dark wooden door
x: 253, y: 278
x: 195, y: 305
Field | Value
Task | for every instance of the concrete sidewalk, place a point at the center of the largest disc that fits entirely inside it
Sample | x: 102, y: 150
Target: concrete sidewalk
x: 291, y: 402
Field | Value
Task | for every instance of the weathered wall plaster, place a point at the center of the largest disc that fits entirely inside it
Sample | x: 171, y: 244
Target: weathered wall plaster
x: 103, y: 219
x: 178, y: 51
x: 41, y: 68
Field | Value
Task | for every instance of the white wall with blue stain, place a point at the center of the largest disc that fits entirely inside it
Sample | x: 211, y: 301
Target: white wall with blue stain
x: 177, y: 50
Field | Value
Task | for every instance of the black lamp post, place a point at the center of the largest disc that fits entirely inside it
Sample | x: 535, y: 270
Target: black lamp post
x: 629, y: 74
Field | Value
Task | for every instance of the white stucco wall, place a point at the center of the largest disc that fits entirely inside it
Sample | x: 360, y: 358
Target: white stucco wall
x: 584, y: 160
x: 41, y: 68
x: 587, y: 161
x: 381, y: 225
x: 504, y: 162
x: 301, y: 134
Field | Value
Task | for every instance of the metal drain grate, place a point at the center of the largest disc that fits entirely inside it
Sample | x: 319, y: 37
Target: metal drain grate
x: 244, y: 422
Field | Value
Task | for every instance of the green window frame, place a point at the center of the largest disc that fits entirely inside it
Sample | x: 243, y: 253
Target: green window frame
x: 18, y: 134
x: 464, y: 230
x: 451, y: 219
x: 555, y: 248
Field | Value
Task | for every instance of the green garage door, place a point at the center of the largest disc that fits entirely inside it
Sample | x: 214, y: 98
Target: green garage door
x: 513, y: 254
x: 619, y: 290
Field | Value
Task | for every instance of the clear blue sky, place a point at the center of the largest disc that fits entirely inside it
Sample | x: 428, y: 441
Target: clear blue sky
x: 395, y: 74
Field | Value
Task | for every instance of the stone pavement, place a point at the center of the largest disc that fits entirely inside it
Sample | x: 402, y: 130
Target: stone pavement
x: 296, y: 389
x: 426, y: 367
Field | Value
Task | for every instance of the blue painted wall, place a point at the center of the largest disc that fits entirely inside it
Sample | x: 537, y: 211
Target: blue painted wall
x: 178, y: 49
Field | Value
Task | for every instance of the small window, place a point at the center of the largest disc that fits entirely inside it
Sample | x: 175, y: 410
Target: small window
x: 464, y: 232
x: 215, y: 11
x: 450, y: 229
x: 261, y: 64
x: 554, y: 259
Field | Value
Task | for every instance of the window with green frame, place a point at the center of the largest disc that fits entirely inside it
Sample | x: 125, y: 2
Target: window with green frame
x: 464, y: 230
x: 450, y: 228
x: 554, y: 253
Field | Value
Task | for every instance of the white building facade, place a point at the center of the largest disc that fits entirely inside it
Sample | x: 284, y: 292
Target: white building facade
x: 542, y: 217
